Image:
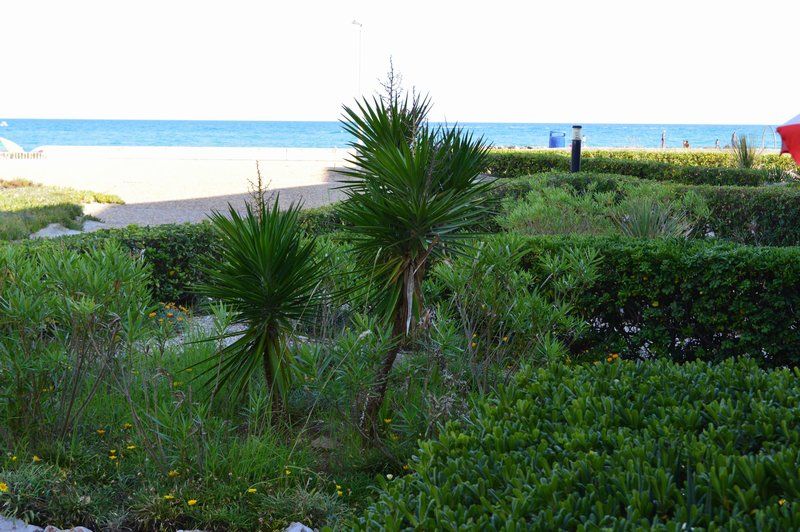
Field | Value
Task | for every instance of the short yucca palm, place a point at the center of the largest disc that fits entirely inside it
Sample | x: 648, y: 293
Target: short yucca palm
x: 745, y: 154
x: 267, y: 274
x: 411, y: 191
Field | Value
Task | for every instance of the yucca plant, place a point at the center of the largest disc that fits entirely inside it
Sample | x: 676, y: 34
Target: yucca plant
x: 745, y: 155
x: 412, y: 191
x: 267, y: 275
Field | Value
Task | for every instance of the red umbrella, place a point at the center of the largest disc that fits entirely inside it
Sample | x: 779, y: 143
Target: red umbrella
x: 790, y: 135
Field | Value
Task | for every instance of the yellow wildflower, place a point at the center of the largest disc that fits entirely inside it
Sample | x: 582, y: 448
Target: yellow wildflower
x: 127, y: 426
x: 387, y: 420
x: 14, y: 458
x: 782, y: 502
x: 609, y: 359
x: 131, y: 447
x: 191, y: 502
x: 169, y: 497
x: 338, y: 487
x: 251, y: 490
x: 655, y: 303
x: 112, y: 456
x: 505, y: 338
x: 173, y: 473
x: 287, y: 472
x: 100, y: 432
x: 170, y: 314
x: 36, y: 458
x: 152, y: 315
x: 474, y: 345
x: 339, y: 493
x: 112, y: 451
x: 406, y: 467
x: 3, y: 487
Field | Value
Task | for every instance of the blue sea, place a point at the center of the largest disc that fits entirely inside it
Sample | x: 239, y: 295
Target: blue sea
x: 30, y: 133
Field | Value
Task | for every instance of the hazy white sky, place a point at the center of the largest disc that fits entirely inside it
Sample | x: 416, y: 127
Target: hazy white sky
x: 672, y: 61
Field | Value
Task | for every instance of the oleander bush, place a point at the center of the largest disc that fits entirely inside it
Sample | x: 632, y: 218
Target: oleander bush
x: 519, y: 163
x: 767, y: 215
x: 614, y: 446
x: 687, y: 299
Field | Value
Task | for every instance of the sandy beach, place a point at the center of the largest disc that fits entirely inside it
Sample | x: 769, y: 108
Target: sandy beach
x: 175, y: 184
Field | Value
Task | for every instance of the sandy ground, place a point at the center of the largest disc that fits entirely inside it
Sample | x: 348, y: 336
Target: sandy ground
x: 173, y: 185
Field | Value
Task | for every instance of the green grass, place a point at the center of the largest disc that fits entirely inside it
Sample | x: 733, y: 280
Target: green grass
x: 26, y: 207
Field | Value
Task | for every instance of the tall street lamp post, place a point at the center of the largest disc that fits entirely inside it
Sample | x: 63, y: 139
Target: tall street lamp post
x: 360, y: 29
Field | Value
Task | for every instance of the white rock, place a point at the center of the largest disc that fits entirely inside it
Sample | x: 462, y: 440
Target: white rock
x: 51, y: 528
x: 298, y: 527
x: 54, y: 230
x: 15, y: 525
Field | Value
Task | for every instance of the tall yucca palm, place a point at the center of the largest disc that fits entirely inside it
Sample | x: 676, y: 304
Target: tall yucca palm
x: 412, y: 191
x: 268, y: 275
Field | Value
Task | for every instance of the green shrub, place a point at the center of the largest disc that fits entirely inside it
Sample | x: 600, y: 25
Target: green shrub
x: 617, y: 446
x: 768, y: 215
x: 520, y: 163
x: 688, y: 299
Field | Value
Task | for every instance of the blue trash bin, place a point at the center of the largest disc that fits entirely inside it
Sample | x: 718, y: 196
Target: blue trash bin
x: 557, y: 139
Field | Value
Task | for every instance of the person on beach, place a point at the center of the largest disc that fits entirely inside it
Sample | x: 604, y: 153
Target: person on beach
x: 686, y: 144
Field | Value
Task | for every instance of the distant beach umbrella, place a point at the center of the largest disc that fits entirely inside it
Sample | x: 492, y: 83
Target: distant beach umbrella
x: 11, y: 147
x: 790, y: 135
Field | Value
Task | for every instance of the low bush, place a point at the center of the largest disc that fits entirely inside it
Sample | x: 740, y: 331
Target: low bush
x: 768, y: 215
x: 617, y: 446
x: 519, y: 163
x: 688, y: 299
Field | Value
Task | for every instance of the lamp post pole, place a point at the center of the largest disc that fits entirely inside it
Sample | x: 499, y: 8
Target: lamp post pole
x: 575, y: 165
x: 360, y: 28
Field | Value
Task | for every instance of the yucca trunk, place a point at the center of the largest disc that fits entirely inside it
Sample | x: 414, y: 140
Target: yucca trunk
x: 402, y: 322
x: 272, y: 351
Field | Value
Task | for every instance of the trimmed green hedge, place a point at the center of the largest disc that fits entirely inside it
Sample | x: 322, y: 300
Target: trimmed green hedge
x: 617, y: 446
x: 520, y: 163
x: 689, y: 299
x: 764, y: 216
x: 708, y: 158
x: 175, y: 251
